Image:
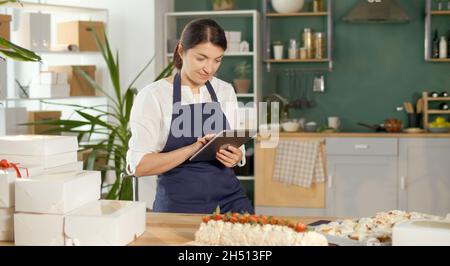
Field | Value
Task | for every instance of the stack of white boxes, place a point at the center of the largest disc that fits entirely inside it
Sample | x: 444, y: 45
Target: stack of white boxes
x: 8, y: 178
x: 50, y: 85
x: 10, y: 118
x: 233, y: 41
x: 63, y: 207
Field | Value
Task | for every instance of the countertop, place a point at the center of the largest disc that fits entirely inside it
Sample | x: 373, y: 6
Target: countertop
x: 364, y: 135
x: 164, y: 229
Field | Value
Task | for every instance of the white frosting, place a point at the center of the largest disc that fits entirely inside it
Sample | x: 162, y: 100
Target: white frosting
x: 228, y: 234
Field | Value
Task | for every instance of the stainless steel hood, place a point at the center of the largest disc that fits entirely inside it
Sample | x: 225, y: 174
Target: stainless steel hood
x: 377, y: 11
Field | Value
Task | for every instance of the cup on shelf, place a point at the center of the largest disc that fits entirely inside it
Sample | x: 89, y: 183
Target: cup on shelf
x: 278, y: 51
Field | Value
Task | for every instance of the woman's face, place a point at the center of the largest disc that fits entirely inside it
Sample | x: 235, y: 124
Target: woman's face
x: 201, y: 62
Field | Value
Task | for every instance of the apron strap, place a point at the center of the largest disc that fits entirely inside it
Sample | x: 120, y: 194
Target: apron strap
x: 177, y: 89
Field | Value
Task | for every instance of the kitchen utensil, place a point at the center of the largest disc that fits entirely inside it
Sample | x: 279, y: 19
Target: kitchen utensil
x: 319, y: 83
x: 377, y: 128
x: 311, y: 127
x: 419, y: 106
x: 393, y: 125
x: 408, y: 107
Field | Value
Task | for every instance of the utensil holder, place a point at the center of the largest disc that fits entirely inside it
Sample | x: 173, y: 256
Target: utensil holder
x: 414, y: 120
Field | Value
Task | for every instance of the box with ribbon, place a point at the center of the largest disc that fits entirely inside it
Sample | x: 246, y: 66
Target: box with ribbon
x: 9, y: 173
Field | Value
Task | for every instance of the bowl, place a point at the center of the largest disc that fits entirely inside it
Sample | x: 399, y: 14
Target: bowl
x: 439, y: 129
x: 287, y: 6
x: 311, y: 127
x: 290, y: 126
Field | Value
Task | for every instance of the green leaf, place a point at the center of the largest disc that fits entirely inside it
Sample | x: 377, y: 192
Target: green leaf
x: 14, y: 51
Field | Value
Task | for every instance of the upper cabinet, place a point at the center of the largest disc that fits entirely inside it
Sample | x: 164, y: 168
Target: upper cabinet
x: 437, y: 33
x: 310, y: 30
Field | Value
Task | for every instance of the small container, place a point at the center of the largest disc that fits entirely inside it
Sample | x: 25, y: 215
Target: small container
x: 293, y: 49
x: 444, y: 94
x: 319, y: 46
x: 318, y: 6
x: 278, y: 51
x: 444, y: 106
x: 308, y: 42
x: 303, y: 53
x: 413, y: 120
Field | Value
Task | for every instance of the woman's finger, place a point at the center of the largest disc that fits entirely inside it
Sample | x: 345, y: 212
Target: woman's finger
x: 223, y: 162
x: 230, y: 155
x: 225, y: 158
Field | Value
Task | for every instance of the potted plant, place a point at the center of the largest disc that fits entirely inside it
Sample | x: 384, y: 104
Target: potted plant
x: 241, y: 81
x: 223, y: 5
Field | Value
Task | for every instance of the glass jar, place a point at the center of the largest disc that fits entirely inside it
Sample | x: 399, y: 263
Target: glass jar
x: 318, y: 6
x: 319, y: 47
x: 293, y: 49
x: 308, y: 42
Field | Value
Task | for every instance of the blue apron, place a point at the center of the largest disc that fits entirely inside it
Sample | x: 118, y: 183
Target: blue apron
x: 198, y: 187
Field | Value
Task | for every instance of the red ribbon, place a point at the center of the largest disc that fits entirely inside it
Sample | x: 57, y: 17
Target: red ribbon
x: 4, y: 164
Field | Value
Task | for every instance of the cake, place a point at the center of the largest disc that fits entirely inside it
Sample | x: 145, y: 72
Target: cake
x: 251, y: 230
x: 375, y: 230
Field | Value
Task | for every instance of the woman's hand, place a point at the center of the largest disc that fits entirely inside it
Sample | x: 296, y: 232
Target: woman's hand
x: 201, y: 142
x: 229, y: 157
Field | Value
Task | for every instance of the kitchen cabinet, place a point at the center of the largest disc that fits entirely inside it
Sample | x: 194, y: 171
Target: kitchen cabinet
x: 361, y: 176
x: 275, y: 198
x: 425, y: 175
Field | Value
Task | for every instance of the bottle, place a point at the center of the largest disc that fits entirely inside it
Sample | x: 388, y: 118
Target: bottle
x: 435, y: 45
x: 448, y: 41
x: 434, y: 94
x: 443, y: 106
x: 444, y: 94
x: 443, y: 48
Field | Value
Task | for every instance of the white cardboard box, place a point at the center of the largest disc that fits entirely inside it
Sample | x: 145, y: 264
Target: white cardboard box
x: 105, y: 222
x: 57, y: 194
x: 37, y: 145
x: 75, y: 167
x: 7, y: 225
x: 46, y: 161
x: 38, y: 229
x: 9, y: 120
x: 8, y: 179
x: 233, y: 47
x: 49, y: 90
x: 233, y: 36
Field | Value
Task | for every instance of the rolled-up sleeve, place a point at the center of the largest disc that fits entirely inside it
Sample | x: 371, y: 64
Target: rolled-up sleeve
x: 145, y: 126
x: 231, y: 109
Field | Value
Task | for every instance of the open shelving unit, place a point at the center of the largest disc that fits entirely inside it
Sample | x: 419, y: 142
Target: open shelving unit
x: 427, y: 111
x: 429, y: 14
x: 269, y: 15
x: 25, y: 72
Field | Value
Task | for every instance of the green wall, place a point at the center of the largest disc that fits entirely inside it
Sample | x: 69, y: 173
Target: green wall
x: 376, y: 66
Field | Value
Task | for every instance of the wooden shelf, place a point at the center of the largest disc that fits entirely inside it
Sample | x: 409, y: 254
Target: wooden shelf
x: 297, y: 60
x: 245, y: 95
x: 438, y: 112
x: 446, y: 60
x: 438, y: 99
x: 301, y: 14
x: 228, y: 54
x: 441, y: 13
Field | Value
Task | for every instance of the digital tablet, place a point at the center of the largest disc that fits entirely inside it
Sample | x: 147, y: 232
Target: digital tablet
x: 222, y: 140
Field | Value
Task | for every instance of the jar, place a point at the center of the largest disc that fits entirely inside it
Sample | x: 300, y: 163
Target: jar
x: 318, y: 6
x: 319, y: 46
x: 307, y: 42
x: 293, y: 49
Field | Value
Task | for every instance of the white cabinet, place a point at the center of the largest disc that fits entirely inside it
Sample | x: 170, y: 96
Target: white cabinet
x: 424, y: 170
x: 362, y: 176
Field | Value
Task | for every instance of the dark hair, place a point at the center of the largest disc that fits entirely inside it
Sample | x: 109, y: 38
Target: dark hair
x: 196, y: 32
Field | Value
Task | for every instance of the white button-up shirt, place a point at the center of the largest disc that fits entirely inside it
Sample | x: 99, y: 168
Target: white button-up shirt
x: 151, y: 115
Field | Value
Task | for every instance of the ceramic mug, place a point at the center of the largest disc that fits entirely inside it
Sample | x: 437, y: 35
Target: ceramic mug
x: 334, y: 122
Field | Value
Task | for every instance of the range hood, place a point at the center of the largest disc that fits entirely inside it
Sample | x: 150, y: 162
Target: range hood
x: 377, y: 11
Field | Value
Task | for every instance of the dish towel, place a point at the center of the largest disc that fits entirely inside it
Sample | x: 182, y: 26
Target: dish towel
x: 299, y: 163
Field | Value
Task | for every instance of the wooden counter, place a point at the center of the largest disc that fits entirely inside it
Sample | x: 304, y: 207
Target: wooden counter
x: 364, y: 135
x: 165, y: 229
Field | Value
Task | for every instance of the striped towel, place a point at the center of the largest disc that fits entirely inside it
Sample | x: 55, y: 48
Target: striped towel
x: 299, y: 163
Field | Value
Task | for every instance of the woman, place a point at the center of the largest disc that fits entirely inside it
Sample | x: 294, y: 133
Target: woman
x: 167, y: 128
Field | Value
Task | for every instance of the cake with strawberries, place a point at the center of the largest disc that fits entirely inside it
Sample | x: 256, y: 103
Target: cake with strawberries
x: 251, y: 230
